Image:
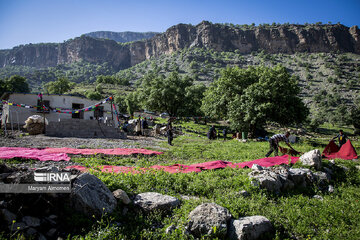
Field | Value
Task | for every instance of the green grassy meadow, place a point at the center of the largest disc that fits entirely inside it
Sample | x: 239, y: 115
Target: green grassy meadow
x: 294, y: 215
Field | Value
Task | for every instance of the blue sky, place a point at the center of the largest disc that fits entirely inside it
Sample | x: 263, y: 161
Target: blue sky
x: 35, y: 21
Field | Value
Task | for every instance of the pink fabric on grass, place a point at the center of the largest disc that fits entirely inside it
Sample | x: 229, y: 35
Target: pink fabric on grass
x: 59, y: 154
x: 180, y: 168
x: 115, y: 151
x: 31, y: 153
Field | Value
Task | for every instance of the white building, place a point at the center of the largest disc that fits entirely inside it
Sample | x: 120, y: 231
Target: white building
x: 58, y: 107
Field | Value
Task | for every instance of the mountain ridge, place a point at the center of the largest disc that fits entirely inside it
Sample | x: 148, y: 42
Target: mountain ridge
x: 286, y: 38
x: 123, y: 37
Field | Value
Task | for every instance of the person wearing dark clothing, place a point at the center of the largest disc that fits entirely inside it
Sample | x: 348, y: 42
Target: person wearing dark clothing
x: 169, y: 132
x: 341, y: 138
x: 144, y: 125
x: 224, y: 133
x: 274, y: 143
x: 212, y: 133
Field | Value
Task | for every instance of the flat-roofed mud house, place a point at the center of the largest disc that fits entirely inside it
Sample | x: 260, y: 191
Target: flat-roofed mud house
x: 67, y: 115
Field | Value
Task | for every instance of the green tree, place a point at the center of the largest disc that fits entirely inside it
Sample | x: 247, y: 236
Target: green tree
x: 174, y: 94
x: 251, y: 97
x: 60, y: 86
x: 93, y: 95
x: 15, y: 84
x: 132, y: 103
x: 120, y: 101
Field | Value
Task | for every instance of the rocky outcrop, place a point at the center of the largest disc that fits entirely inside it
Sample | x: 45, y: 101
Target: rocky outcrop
x: 272, y: 39
x: 250, y: 228
x: 90, y: 196
x: 207, y: 217
x: 152, y: 201
x: 312, y: 159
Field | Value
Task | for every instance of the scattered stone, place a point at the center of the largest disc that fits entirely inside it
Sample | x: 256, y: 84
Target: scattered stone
x: 17, y: 226
x: 250, y: 228
x: 150, y: 201
x: 244, y: 193
x: 321, y: 178
x: 332, y: 161
x: 257, y: 167
x: 121, y: 196
x: 90, y: 196
x: 51, y: 233
x: 170, y: 229
x: 7, y: 216
x: 328, y: 171
x: 185, y: 197
x: 318, y: 197
x: 205, y: 217
x: 31, y: 221
x: 312, y: 159
x: 300, y: 176
x: 331, y: 189
x: 31, y: 231
x: 267, y: 179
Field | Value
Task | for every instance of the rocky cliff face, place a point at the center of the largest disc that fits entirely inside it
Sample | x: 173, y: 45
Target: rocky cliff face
x: 280, y: 39
x: 122, y: 37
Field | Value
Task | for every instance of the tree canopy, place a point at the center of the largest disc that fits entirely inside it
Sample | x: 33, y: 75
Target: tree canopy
x: 251, y: 97
x: 14, y: 84
x: 60, y: 86
x: 174, y: 94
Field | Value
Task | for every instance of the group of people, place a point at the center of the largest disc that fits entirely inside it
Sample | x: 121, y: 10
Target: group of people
x: 213, y: 134
x: 140, y: 126
x: 275, y: 139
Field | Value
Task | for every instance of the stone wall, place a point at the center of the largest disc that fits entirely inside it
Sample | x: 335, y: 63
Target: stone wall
x: 83, y: 129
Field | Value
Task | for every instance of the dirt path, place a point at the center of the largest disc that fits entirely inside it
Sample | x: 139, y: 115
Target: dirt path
x: 42, y: 141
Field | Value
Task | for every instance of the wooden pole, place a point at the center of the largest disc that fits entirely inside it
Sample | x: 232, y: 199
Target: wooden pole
x: 112, y: 114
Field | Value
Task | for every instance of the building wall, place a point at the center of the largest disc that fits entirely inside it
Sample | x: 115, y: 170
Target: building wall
x: 20, y: 114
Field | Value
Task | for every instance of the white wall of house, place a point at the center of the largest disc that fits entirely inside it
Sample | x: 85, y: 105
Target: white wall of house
x: 20, y: 114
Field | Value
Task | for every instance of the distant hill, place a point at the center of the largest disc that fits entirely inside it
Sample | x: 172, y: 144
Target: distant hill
x: 122, y: 37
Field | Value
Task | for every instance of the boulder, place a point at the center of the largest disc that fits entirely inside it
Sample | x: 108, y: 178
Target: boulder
x: 250, y: 228
x: 17, y: 226
x: 7, y: 216
x: 90, y: 196
x: 151, y: 201
x: 31, y: 221
x: 256, y: 167
x: 312, y: 159
x: 321, y: 178
x: 267, y: 180
x: 207, y: 217
x: 300, y: 176
x: 121, y: 196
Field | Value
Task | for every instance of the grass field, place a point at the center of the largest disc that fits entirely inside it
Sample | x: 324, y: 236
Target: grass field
x: 295, y: 214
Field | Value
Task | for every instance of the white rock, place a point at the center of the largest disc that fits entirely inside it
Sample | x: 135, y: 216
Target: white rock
x: 249, y: 228
x: 312, y: 159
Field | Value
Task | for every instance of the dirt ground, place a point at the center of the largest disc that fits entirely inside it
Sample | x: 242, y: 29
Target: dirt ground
x: 42, y: 141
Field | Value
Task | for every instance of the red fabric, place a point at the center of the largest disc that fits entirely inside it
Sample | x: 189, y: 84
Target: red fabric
x: 330, y: 148
x: 180, y: 168
x: 115, y: 151
x: 346, y: 152
x: 31, y: 153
